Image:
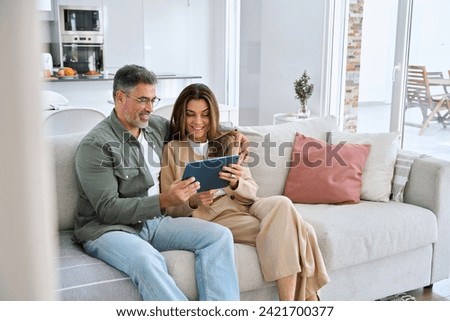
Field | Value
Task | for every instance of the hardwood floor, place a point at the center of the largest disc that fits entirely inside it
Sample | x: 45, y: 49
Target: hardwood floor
x: 439, y: 292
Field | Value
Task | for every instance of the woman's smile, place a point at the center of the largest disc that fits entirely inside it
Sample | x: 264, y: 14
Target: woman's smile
x: 197, y: 120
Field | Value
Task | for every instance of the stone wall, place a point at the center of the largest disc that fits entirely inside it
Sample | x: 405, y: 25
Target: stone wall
x: 354, y: 35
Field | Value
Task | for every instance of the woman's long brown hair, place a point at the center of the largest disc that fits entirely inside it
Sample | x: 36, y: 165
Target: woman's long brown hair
x: 220, y: 143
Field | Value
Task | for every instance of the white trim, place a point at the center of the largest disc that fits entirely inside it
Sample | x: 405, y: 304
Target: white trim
x: 335, y: 59
x: 232, y: 51
x: 327, y: 59
x: 404, y: 20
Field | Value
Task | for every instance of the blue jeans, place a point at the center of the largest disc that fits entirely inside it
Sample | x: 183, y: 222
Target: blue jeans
x: 138, y: 255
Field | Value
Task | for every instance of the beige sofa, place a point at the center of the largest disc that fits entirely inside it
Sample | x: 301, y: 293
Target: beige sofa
x: 371, y: 249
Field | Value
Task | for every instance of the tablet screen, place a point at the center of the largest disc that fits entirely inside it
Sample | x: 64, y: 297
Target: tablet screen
x: 207, y: 172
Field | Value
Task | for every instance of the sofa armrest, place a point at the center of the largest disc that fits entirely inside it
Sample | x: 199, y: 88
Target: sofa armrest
x: 429, y: 187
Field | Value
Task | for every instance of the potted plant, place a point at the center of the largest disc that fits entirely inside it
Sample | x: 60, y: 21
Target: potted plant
x: 303, y: 90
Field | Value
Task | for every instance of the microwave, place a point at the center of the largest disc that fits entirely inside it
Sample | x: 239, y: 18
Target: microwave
x: 81, y: 24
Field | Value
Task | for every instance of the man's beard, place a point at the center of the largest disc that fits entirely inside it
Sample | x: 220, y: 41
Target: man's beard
x: 135, y: 121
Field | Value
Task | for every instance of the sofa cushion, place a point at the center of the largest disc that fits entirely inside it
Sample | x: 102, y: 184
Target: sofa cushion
x: 379, y: 168
x: 325, y: 173
x: 271, y: 149
x: 353, y: 234
x: 82, y: 277
x: 63, y: 149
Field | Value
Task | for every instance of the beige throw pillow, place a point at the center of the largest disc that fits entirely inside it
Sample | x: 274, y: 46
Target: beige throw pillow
x: 379, y: 169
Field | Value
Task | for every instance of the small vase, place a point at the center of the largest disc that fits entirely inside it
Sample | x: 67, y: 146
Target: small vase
x: 303, y: 112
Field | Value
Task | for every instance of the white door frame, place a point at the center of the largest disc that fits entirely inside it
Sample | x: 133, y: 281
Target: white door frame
x: 334, y: 59
x: 401, y: 59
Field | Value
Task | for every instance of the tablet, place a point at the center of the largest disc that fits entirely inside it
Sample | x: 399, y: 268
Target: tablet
x: 207, y: 172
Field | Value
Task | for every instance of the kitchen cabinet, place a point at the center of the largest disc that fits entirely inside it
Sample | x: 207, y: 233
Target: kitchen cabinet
x: 44, y: 5
x: 168, y: 34
x: 46, y: 10
x: 124, y: 36
x: 80, y: 3
x: 84, y: 93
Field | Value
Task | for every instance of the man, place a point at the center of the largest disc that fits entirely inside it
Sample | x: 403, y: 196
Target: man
x: 121, y: 212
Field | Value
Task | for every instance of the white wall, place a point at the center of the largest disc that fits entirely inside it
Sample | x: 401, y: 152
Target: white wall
x: 166, y: 36
x: 186, y: 37
x: 291, y: 41
x: 123, y: 33
x: 250, y: 58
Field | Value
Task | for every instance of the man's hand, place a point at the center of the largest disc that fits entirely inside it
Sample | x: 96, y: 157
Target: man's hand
x: 178, y: 193
x: 203, y: 198
x: 243, y: 143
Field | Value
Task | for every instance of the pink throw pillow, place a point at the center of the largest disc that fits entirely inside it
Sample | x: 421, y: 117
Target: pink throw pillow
x: 325, y: 173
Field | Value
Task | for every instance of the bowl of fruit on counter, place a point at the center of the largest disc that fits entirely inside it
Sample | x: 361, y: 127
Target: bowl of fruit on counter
x: 92, y: 74
x: 66, y: 73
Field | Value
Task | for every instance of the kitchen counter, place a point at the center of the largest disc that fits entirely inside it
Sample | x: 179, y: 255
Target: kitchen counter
x: 77, y: 78
x: 82, y: 91
x: 110, y: 76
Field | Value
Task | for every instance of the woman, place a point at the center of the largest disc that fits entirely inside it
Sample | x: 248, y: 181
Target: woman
x: 286, y: 245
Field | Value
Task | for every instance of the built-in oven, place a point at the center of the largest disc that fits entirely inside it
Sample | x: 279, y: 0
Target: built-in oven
x: 81, y: 30
x: 83, y: 57
x: 81, y: 24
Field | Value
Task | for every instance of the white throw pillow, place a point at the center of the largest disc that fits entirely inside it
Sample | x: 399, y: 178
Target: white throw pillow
x: 379, y: 169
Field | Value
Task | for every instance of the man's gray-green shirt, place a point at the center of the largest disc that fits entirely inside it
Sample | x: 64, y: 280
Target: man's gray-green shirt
x: 113, y: 178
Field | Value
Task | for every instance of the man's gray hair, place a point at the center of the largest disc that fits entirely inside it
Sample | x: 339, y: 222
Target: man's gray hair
x: 129, y: 76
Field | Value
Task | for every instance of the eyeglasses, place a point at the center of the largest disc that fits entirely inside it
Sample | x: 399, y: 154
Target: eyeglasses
x: 145, y: 100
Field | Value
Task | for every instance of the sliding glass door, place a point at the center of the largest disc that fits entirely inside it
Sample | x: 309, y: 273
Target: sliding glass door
x: 429, y: 47
x: 393, y: 35
x: 382, y: 61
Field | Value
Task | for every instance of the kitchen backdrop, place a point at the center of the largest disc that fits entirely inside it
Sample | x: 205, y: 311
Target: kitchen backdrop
x: 173, y: 38
x: 168, y: 37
